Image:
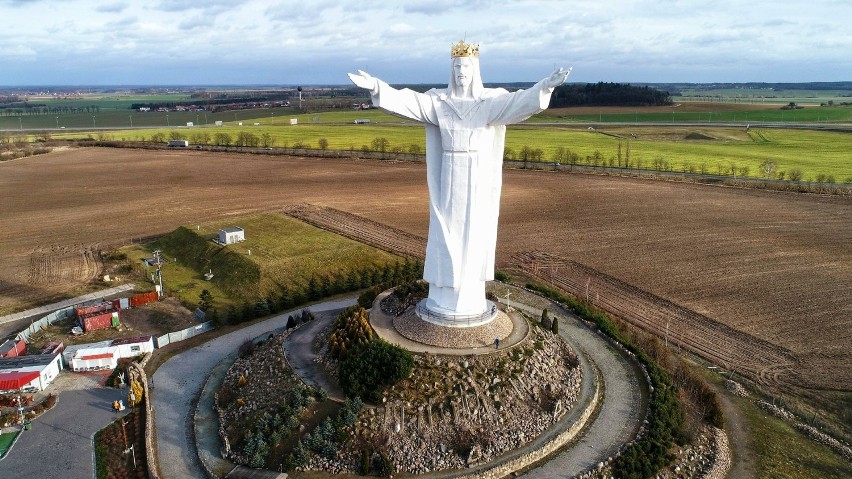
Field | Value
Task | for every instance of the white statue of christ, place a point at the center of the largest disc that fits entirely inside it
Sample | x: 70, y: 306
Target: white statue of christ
x: 465, y: 132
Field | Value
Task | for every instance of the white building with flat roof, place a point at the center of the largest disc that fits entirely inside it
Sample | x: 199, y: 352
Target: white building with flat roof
x: 29, y: 373
x: 231, y: 235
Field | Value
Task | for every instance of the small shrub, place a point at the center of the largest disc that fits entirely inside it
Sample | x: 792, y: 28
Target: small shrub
x: 384, y: 466
x: 503, y: 277
x: 546, y: 322
x: 373, y: 366
x: 351, y: 328
x: 367, y: 297
x: 247, y: 349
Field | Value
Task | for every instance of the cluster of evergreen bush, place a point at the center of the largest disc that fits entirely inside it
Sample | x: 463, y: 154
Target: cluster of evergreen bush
x: 327, y: 437
x: 351, y: 329
x: 372, y: 366
x: 270, y: 429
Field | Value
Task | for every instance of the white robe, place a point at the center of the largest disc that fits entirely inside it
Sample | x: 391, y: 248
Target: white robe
x: 464, y: 160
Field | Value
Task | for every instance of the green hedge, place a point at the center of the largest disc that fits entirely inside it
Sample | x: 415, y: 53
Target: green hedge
x: 370, y: 367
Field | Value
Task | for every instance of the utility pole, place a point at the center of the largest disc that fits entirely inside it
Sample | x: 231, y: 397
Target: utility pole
x: 158, y: 261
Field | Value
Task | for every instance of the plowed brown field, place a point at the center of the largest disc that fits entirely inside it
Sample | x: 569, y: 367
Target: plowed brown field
x: 774, y: 267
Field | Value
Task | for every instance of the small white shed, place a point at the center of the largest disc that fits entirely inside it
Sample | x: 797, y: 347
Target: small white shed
x: 231, y: 235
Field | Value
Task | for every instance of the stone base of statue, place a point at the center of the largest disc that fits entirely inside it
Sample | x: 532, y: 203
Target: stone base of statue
x: 408, y: 329
x: 432, y: 313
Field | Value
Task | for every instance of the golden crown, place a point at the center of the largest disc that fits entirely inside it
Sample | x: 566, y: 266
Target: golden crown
x: 462, y: 49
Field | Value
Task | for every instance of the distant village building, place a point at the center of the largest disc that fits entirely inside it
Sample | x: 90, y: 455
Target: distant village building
x: 231, y: 235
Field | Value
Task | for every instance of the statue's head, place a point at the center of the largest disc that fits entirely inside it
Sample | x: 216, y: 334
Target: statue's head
x: 464, y: 73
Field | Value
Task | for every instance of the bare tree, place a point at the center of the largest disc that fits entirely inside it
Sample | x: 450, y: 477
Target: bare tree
x: 768, y: 168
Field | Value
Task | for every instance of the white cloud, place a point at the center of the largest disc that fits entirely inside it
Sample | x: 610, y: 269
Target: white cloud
x: 111, y: 8
x: 408, y: 41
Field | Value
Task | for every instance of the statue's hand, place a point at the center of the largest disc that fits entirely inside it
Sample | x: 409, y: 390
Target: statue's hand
x: 363, y: 79
x: 558, y: 77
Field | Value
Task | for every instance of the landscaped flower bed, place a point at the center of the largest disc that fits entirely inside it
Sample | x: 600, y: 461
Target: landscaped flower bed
x: 112, y: 460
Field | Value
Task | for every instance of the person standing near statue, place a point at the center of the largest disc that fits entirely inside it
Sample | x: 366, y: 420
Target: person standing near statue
x: 465, y: 133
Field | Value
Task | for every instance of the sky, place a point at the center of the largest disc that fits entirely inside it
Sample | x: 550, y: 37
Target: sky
x: 315, y: 42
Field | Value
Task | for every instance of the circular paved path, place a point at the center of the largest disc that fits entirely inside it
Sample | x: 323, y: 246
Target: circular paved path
x: 621, y: 410
x: 178, y: 382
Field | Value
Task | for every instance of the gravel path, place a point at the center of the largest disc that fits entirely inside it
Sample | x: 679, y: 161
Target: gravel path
x: 178, y: 383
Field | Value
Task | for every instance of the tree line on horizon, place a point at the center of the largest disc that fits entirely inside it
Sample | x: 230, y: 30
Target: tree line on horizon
x: 607, y: 94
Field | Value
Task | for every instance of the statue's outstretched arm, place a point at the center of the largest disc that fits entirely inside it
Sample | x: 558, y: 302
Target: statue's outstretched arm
x: 364, y: 80
x: 557, y: 78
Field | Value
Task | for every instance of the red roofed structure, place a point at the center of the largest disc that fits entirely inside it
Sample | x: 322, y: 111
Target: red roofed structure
x: 17, y: 380
x: 97, y: 356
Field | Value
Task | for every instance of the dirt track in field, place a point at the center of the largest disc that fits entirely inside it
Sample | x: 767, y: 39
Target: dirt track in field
x: 775, y: 266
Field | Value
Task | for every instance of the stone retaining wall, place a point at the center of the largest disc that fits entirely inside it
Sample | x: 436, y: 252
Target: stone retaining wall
x: 150, y: 452
x: 722, y: 459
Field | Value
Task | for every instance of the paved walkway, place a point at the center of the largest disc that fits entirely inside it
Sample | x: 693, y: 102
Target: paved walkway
x: 298, y: 347
x: 622, y: 409
x: 383, y: 325
x: 59, y: 445
x: 178, y: 383
x: 47, y: 309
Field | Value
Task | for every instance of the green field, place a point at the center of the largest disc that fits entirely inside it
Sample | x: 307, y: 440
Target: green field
x: 713, y: 114
x: 814, y: 152
x: 781, y: 452
x: 284, y: 251
x: 758, y: 96
x: 125, y: 118
x: 818, y: 154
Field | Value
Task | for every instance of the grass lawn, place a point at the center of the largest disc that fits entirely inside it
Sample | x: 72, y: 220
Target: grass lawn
x: 284, y: 250
x: 781, y: 452
x: 6, y: 440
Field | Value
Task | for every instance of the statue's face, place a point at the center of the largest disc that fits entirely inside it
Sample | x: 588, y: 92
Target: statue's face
x: 463, y: 71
